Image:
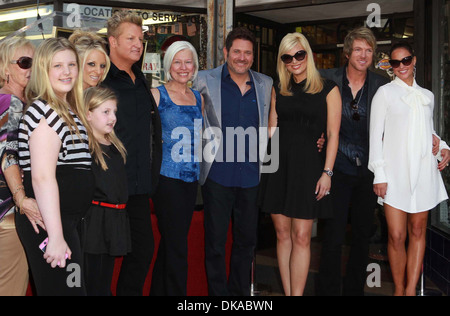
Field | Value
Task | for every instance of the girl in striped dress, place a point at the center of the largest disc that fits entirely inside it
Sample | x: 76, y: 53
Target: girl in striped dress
x: 54, y: 154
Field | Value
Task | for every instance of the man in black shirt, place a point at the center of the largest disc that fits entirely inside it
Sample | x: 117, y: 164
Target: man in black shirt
x: 139, y: 128
x: 352, y: 184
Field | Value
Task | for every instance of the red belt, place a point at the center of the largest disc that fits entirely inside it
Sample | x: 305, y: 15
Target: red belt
x: 116, y: 206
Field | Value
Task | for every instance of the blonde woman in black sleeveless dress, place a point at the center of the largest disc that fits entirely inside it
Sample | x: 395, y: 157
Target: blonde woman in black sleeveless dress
x: 303, y: 107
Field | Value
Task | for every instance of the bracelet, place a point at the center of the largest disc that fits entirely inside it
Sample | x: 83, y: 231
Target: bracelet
x: 19, y: 188
x: 20, y: 204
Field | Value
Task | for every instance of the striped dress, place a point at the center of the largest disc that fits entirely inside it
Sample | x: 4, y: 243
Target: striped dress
x: 74, y: 151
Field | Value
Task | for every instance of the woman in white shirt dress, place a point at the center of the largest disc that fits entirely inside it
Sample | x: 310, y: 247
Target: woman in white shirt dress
x: 407, y: 174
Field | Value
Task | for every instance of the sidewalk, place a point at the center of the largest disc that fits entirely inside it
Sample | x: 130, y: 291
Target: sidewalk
x: 268, y: 280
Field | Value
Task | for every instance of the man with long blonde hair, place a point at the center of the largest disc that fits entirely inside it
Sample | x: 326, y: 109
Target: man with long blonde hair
x: 352, y: 180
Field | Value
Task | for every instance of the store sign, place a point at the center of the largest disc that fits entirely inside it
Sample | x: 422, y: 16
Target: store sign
x: 149, y: 17
x: 95, y: 11
x: 152, y: 63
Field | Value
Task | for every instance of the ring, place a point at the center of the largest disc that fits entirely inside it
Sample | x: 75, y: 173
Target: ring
x: 328, y: 192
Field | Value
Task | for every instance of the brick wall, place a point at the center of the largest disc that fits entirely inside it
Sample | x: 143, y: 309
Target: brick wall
x: 437, y: 259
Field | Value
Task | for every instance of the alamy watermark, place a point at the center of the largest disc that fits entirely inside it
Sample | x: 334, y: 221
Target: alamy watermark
x: 74, y: 277
x: 208, y: 145
x: 374, y: 18
x: 374, y: 278
x: 74, y: 18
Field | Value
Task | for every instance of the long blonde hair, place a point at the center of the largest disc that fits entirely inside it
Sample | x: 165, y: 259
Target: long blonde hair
x: 314, y: 82
x: 93, y: 98
x: 85, y: 43
x: 39, y: 86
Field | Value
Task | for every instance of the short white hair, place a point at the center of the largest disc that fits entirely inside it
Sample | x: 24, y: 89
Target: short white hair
x: 172, y: 51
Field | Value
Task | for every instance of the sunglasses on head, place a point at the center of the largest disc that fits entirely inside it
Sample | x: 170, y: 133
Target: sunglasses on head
x: 405, y: 61
x: 287, y: 59
x: 23, y: 62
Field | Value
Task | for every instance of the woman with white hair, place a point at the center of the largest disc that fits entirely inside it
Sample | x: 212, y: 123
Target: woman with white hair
x: 180, y: 108
x: 303, y: 106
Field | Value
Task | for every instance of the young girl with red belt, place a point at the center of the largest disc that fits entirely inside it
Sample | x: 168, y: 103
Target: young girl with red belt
x: 107, y: 232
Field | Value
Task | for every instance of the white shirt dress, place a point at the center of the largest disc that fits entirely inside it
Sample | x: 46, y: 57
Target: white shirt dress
x: 401, y: 130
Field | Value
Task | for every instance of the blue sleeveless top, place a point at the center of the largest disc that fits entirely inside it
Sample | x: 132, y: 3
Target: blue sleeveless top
x: 181, y: 136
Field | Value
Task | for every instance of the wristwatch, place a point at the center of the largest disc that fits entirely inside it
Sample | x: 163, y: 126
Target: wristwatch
x: 328, y: 172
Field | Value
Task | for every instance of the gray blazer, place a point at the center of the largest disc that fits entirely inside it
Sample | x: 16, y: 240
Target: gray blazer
x: 208, y: 82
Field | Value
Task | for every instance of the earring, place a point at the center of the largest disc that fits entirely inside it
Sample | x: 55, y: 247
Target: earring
x: 414, y: 71
x: 7, y: 78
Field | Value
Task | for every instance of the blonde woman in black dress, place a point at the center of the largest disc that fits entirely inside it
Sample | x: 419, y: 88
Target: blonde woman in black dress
x: 303, y: 106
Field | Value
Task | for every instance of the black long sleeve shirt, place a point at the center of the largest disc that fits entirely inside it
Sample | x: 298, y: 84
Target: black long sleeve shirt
x: 133, y: 127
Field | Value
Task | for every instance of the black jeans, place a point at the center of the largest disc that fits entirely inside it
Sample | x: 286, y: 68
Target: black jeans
x: 136, y: 265
x: 352, y: 196
x: 99, y: 272
x: 174, y: 202
x: 76, y: 187
x: 68, y: 281
x: 223, y: 204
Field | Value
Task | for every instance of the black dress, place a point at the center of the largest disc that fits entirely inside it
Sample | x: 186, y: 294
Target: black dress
x: 290, y: 191
x: 108, y: 229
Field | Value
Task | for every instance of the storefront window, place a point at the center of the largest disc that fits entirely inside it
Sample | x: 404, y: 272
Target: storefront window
x: 327, y: 39
x: 161, y: 28
x: 22, y: 22
x: 441, y: 217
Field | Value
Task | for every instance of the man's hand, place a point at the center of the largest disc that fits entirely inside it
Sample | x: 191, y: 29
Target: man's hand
x: 321, y: 142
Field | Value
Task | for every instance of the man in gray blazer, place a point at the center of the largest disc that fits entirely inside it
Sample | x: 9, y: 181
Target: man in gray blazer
x: 237, y: 102
x: 352, y: 185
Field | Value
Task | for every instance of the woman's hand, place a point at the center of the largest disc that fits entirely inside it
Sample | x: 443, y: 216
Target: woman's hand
x: 436, y: 142
x: 30, y: 208
x: 445, y: 153
x: 380, y: 189
x: 323, y: 186
x: 56, y: 251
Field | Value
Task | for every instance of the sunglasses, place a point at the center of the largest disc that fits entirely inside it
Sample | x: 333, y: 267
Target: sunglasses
x: 355, y: 106
x: 23, y: 62
x: 405, y: 61
x: 287, y: 59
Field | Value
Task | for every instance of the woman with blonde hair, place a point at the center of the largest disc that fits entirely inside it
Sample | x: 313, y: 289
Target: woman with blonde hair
x: 91, y: 49
x: 303, y: 106
x: 54, y: 154
x: 16, y: 57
